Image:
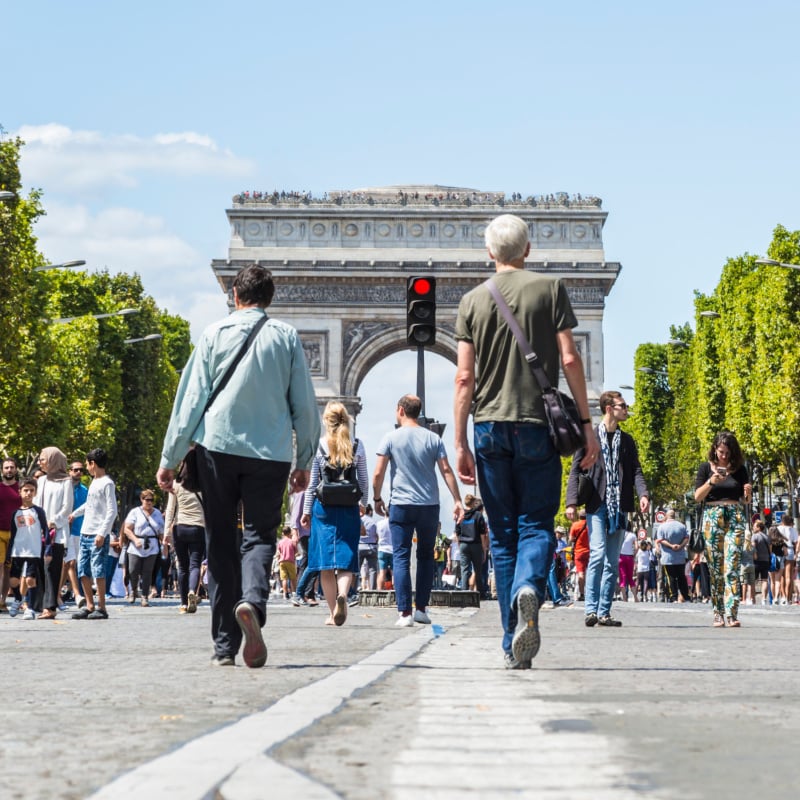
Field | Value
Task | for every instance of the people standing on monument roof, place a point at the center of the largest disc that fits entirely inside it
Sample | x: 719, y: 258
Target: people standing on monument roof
x: 517, y: 465
x: 614, y: 476
x: 244, y: 449
x: 412, y: 454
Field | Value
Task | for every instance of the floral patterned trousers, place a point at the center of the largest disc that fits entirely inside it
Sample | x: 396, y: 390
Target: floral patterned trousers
x: 723, y: 528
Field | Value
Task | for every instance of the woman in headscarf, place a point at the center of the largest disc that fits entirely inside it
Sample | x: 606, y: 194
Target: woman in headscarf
x: 54, y: 495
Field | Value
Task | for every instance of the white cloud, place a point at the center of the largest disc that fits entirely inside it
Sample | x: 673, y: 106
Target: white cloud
x: 127, y: 240
x: 73, y: 161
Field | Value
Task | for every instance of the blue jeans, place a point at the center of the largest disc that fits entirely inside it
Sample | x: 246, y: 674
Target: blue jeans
x: 601, y: 574
x: 403, y: 520
x: 552, y: 585
x: 520, y: 476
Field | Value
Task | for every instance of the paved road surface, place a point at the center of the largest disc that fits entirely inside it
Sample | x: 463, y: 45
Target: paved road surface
x: 664, y: 707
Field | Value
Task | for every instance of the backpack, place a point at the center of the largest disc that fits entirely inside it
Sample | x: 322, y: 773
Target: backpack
x: 338, y: 486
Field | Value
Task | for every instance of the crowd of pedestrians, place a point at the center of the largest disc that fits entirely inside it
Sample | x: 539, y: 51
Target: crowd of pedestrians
x: 246, y: 412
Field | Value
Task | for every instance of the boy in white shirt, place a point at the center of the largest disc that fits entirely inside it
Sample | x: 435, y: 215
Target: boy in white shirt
x: 28, y: 532
x: 99, y: 512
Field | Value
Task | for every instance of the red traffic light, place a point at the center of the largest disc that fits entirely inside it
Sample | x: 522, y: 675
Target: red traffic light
x: 421, y: 286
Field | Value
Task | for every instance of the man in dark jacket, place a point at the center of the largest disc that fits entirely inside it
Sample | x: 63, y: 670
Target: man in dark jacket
x: 613, y: 476
x: 473, y: 544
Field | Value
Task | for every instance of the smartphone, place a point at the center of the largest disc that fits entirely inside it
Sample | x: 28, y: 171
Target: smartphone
x: 722, y: 471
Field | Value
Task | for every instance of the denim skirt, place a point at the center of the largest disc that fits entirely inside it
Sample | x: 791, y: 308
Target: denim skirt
x: 335, y: 533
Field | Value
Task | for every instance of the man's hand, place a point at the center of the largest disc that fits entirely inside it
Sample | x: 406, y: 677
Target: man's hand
x: 99, y: 540
x: 458, y: 511
x: 591, y: 451
x: 165, y: 478
x: 644, y: 504
x: 570, y: 512
x: 380, y: 507
x: 305, y: 520
x: 299, y: 479
x: 465, y: 466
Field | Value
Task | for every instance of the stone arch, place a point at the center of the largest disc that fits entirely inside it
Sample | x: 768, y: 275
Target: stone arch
x: 385, y: 342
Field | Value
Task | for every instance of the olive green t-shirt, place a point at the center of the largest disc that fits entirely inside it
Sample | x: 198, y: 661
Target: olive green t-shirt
x: 505, y: 389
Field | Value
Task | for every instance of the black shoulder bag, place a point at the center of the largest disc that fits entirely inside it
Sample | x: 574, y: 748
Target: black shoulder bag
x: 563, y: 419
x: 187, y: 470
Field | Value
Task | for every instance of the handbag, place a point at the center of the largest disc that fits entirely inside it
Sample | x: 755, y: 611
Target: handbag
x: 697, y: 541
x: 563, y: 419
x: 187, y: 472
x: 586, y: 490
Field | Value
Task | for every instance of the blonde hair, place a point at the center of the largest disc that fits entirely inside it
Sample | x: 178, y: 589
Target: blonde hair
x: 337, y: 429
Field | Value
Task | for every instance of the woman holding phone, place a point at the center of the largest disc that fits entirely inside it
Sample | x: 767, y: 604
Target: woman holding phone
x: 723, y: 486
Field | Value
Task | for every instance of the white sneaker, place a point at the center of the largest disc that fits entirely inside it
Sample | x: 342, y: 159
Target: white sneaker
x: 422, y: 617
x: 13, y: 609
x: 405, y: 622
x: 29, y: 614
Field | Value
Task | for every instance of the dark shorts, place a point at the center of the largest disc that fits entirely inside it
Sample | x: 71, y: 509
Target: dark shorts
x: 762, y: 570
x: 25, y: 567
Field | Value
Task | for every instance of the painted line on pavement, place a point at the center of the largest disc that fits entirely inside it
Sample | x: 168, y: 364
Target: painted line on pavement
x: 217, y: 756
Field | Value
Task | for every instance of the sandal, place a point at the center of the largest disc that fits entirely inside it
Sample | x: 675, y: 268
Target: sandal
x: 719, y: 622
x: 734, y: 623
x: 47, y: 614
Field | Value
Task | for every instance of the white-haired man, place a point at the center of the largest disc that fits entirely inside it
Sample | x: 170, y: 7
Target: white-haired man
x: 517, y: 465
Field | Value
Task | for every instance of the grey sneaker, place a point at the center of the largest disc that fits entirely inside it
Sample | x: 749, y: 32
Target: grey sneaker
x: 255, y: 651
x: 525, y: 644
x: 590, y: 620
x: 98, y: 613
x: 512, y: 663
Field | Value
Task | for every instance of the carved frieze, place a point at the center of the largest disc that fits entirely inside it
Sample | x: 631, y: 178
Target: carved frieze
x: 315, y: 348
x: 376, y: 294
x: 356, y: 332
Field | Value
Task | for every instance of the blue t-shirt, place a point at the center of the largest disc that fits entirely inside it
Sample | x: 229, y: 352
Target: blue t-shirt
x: 79, y: 495
x: 674, y: 532
x: 413, y: 453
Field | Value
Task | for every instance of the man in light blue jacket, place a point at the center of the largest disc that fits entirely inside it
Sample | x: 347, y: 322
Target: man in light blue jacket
x: 244, y: 449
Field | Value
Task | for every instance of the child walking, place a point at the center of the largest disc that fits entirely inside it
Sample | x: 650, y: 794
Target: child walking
x: 29, y: 548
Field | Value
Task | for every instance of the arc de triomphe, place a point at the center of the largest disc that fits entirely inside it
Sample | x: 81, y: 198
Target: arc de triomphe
x: 340, y: 265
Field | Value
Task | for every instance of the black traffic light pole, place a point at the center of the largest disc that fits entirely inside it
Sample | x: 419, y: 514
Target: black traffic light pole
x: 421, y: 376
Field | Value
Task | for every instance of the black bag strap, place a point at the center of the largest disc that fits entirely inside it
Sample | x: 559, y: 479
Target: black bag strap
x: 235, y: 363
x: 522, y: 341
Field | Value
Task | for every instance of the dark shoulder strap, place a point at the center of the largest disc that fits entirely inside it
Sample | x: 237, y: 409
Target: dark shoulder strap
x: 522, y: 341
x: 235, y: 363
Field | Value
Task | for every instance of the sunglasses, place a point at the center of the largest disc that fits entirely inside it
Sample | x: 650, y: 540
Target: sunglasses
x: 621, y: 405
x: 148, y: 499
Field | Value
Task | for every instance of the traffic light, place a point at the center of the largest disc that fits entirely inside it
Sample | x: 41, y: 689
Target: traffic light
x: 421, y: 311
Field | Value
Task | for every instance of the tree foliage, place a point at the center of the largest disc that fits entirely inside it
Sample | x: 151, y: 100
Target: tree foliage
x: 70, y: 378
x: 738, y: 370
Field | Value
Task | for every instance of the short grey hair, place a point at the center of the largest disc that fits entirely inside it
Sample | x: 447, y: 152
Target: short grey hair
x: 506, y: 238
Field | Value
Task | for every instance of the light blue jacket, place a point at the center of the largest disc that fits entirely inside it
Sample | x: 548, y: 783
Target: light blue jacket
x: 269, y: 395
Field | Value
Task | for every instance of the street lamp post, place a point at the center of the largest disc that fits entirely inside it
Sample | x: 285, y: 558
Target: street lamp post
x: 151, y: 337
x: 123, y: 312
x: 771, y: 262
x: 65, y: 265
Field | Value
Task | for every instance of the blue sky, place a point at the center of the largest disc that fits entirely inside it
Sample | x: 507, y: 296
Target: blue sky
x: 144, y: 118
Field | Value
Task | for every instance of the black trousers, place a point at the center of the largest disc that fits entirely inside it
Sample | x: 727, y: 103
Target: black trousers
x: 676, y: 575
x: 190, y: 549
x: 239, y: 564
x: 52, y: 578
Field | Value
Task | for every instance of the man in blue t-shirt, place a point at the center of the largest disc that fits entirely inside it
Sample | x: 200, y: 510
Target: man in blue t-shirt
x: 413, y: 453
